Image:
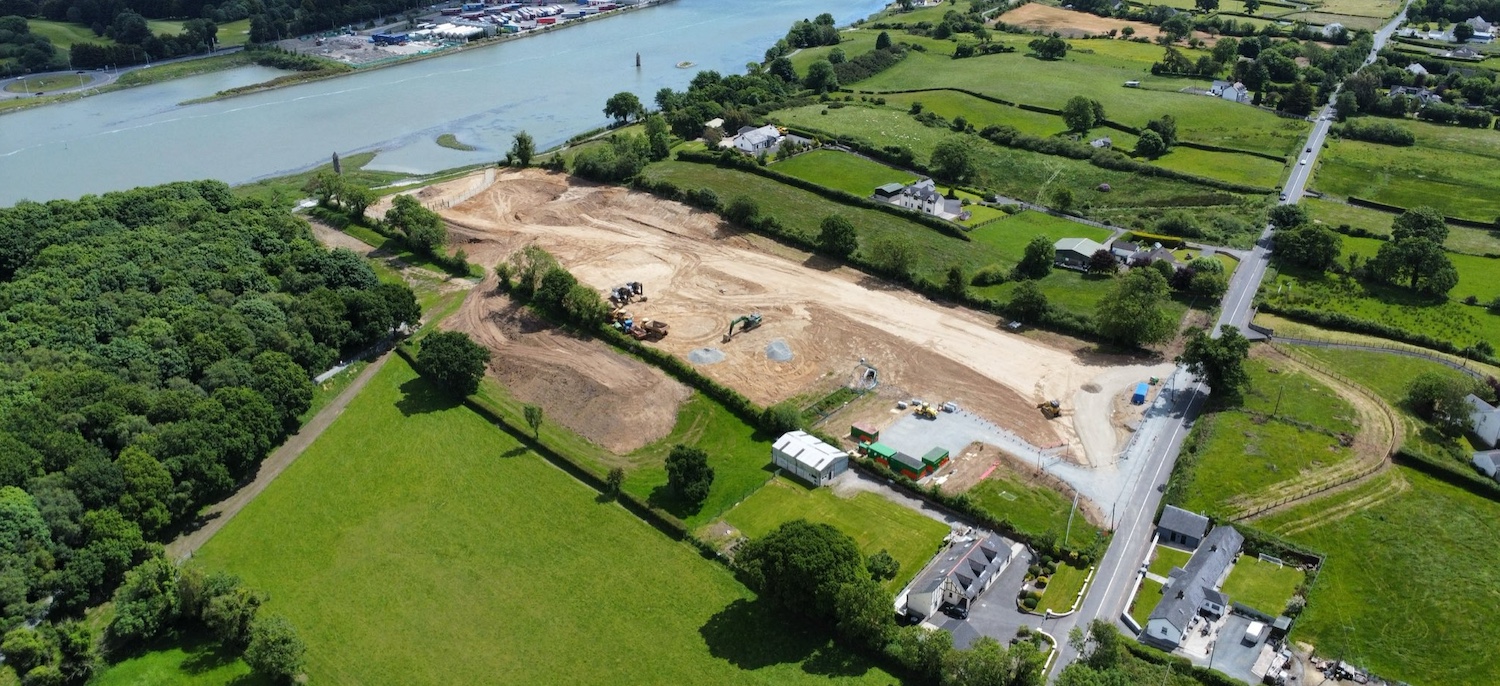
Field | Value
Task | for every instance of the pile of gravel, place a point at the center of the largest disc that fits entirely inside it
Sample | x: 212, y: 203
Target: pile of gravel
x: 706, y: 356
x: 779, y: 351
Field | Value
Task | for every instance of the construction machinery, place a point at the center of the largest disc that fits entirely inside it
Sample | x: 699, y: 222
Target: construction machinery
x: 620, y: 296
x: 649, y: 329
x: 1050, y: 409
x: 926, y: 411
x: 747, y: 323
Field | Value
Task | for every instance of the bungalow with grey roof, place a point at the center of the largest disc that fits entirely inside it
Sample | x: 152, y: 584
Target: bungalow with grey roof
x: 1194, y: 589
x: 1181, y: 527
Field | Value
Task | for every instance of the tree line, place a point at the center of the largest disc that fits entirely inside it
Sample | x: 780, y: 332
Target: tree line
x: 158, y: 343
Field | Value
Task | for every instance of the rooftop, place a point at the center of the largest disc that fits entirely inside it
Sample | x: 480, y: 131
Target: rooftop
x: 1187, y: 590
x: 970, y: 561
x: 1183, y: 522
x: 807, y: 450
x: 1082, y: 246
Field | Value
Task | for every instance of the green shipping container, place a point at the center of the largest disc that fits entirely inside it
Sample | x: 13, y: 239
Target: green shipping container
x: 881, y: 450
x: 935, y: 457
x: 864, y: 432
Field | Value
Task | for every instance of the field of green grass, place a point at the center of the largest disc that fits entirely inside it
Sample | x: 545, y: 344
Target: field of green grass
x: 1246, y: 454
x: 841, y: 170
x: 1452, y: 168
x: 42, y: 84
x: 1062, y: 589
x: 1460, y: 239
x: 63, y: 34
x: 234, y: 33
x: 188, y: 661
x: 1264, y: 586
x: 1032, y: 508
x: 414, y: 543
x: 1145, y: 600
x: 1099, y: 69
x: 872, y: 521
x: 1166, y: 558
x: 1477, y: 276
x: 1379, y: 9
x: 740, y: 456
x: 1404, y: 581
x: 860, y: 41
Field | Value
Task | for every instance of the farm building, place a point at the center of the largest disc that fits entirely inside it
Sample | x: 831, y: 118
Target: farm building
x: 864, y: 433
x: 962, y: 572
x: 808, y: 458
x: 1194, y: 589
x: 388, y: 38
x: 906, y: 465
x: 1075, y: 252
x: 1182, y: 528
x: 1486, y: 418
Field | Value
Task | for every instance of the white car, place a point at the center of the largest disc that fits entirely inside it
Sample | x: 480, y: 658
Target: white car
x: 1303, y: 162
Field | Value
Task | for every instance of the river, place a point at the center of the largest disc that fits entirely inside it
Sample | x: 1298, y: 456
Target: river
x: 552, y: 85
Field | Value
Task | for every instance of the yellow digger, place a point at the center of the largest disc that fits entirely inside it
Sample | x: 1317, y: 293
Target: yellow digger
x: 926, y: 411
x: 1050, y: 409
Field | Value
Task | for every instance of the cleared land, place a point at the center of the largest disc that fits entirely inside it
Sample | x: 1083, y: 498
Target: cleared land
x: 1455, y: 169
x: 1049, y: 19
x: 700, y: 273
x: 1406, y: 577
x: 872, y: 521
x: 414, y: 543
x: 1264, y: 586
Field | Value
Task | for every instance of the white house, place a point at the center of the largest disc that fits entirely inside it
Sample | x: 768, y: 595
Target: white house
x: 922, y: 196
x: 1488, y: 462
x: 1330, y: 30
x: 1236, y: 91
x: 961, y: 573
x: 1417, y: 69
x: 1194, y: 589
x: 808, y: 458
x: 753, y: 141
x: 1486, y: 418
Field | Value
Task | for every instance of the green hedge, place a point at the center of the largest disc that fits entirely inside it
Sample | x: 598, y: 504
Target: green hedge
x: 1180, y: 665
x: 1449, y: 471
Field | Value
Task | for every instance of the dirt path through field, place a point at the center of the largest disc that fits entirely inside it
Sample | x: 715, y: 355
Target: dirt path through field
x: 219, y: 514
x: 699, y: 274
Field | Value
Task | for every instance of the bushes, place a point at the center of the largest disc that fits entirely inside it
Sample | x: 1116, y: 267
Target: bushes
x: 1374, y: 131
x: 868, y: 64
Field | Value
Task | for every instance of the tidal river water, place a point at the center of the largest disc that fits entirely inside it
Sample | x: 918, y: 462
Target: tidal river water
x: 552, y: 85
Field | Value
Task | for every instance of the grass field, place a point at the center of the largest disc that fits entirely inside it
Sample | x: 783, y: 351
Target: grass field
x: 1032, y: 509
x: 1477, y: 276
x: 841, y: 170
x: 1455, y: 169
x: 63, y: 34
x: 872, y: 521
x: 414, y: 543
x: 1246, y: 455
x: 740, y: 456
x: 1264, y: 586
x: 234, y: 33
x: 1460, y: 239
x: 1405, y: 581
x: 187, y: 661
x: 1294, y: 329
x: 1062, y: 589
x: 1166, y: 558
x: 860, y: 41
x: 1099, y: 68
x: 1379, y: 9
x: 42, y: 84
x: 1145, y: 600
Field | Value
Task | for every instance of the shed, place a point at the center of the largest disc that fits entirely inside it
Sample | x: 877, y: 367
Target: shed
x: 935, y: 458
x: 1139, y: 396
x: 1075, y: 252
x: 863, y: 432
x: 888, y: 191
x: 808, y: 458
x: 1281, y: 626
x: 1181, y: 527
x: 880, y: 451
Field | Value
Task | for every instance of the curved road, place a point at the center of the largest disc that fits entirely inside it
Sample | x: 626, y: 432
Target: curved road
x: 106, y: 77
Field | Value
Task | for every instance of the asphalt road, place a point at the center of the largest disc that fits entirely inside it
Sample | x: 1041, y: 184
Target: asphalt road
x: 1120, y: 566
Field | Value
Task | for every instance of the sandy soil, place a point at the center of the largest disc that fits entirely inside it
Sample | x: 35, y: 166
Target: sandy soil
x: 616, y: 401
x: 1072, y: 24
x: 699, y: 274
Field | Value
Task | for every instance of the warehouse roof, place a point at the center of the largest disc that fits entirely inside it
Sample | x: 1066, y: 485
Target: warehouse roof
x: 806, y: 449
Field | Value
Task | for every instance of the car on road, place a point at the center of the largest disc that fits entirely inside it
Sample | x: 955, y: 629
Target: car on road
x: 1303, y: 162
x: 1309, y: 149
x: 1283, y: 196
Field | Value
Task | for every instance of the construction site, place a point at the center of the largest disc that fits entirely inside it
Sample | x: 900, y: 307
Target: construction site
x: 749, y: 313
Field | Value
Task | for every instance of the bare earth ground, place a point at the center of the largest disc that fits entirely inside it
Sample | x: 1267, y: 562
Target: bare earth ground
x: 1071, y: 24
x: 699, y: 274
x: 619, y: 402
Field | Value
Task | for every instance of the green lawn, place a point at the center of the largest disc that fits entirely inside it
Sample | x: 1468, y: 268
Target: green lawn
x: 1460, y: 239
x: 844, y: 171
x: 1145, y: 601
x: 188, y: 661
x: 1405, y: 582
x: 1032, y: 509
x: 860, y: 41
x: 63, y: 34
x: 1166, y: 558
x: 234, y: 33
x: 1264, y: 586
x: 1455, y: 169
x: 414, y: 543
x: 872, y: 521
x: 740, y: 456
x: 1062, y: 589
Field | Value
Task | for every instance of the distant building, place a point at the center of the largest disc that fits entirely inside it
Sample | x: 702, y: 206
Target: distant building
x: 1417, y: 69
x: 1122, y: 250
x: 1074, y: 253
x: 1181, y: 527
x: 1194, y: 589
x: 1488, y: 462
x: 1236, y: 91
x: 1331, y: 30
x: 1486, y: 418
x: 922, y: 196
x: 1463, y: 54
x: 1425, y: 95
x: 754, y: 141
x: 1103, y: 143
x: 962, y: 572
x: 808, y: 458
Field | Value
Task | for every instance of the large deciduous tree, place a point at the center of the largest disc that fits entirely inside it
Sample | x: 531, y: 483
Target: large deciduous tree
x: 837, y: 236
x: 1310, y: 245
x: 1134, y: 312
x: 953, y: 159
x: 522, y: 149
x: 1220, y: 362
x: 1439, y: 398
x: 623, y: 106
x: 689, y: 475
x: 800, y: 566
x: 275, y: 650
x: 453, y: 361
x: 1038, y: 258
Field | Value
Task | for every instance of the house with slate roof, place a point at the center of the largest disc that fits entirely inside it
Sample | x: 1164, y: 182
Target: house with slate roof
x: 1194, y: 589
x: 1181, y: 528
x: 959, y: 575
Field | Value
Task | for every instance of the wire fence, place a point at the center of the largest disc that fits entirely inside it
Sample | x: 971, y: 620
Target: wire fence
x: 1465, y: 366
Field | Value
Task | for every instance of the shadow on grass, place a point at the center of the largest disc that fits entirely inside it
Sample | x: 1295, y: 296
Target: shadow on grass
x: 665, y: 498
x: 750, y: 635
x: 418, y: 396
x: 201, y: 655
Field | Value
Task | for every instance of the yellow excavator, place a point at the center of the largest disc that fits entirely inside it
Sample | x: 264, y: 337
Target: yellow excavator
x: 748, y: 322
x: 926, y: 411
x: 1050, y: 409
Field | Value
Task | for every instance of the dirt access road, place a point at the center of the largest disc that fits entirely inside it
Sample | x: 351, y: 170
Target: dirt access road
x: 700, y: 273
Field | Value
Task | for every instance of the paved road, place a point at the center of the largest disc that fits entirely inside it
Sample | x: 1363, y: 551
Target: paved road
x: 1163, y: 434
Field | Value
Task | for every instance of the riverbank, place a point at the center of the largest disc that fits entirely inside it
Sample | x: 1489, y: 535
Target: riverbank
x: 397, y: 60
x: 136, y: 77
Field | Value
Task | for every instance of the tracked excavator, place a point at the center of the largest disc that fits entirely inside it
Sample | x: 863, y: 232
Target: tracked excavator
x: 1050, y: 409
x: 747, y: 323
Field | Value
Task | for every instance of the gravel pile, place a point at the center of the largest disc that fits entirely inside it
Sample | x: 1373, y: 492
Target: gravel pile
x: 706, y: 356
x: 779, y: 351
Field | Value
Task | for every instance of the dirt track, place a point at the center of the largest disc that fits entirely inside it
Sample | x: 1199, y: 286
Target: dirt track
x: 699, y: 274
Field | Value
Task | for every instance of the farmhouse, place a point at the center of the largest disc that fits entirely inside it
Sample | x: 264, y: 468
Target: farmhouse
x: 1074, y: 253
x: 1122, y: 250
x: 1180, y: 527
x: 808, y: 458
x: 753, y: 141
x: 1194, y: 589
x: 1486, y: 418
x: 959, y: 575
x: 1333, y: 29
x: 1236, y: 91
x: 922, y: 196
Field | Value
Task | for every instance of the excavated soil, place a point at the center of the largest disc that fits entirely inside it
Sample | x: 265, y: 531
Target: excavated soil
x: 699, y: 274
x: 616, y: 401
x: 1071, y: 24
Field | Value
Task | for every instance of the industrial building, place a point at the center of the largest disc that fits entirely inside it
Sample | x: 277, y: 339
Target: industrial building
x: 807, y: 458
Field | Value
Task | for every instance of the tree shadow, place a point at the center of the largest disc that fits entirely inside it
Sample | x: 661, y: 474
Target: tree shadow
x: 821, y: 263
x: 419, y: 396
x: 667, y: 499
x: 834, y: 660
x: 876, y: 283
x: 751, y: 635
x: 516, y: 451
